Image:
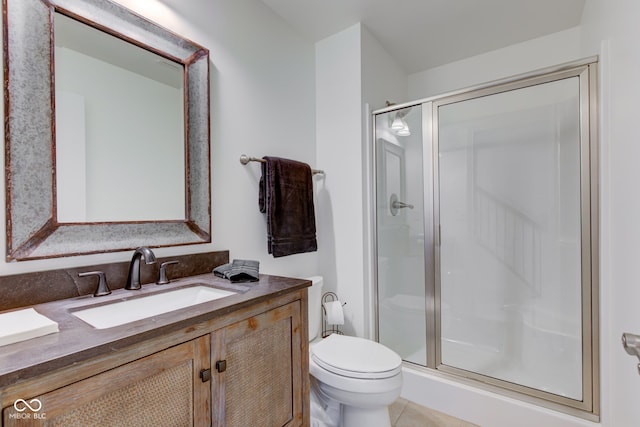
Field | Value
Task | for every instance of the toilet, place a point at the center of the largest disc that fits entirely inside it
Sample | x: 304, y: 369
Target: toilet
x: 353, y: 380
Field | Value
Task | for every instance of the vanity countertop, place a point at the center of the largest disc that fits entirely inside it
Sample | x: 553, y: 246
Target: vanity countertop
x: 77, y: 341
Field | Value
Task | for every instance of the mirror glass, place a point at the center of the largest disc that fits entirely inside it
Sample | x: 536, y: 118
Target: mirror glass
x: 107, y: 131
x: 119, y: 129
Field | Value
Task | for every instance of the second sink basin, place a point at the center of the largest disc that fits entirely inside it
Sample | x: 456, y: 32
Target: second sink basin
x: 121, y: 312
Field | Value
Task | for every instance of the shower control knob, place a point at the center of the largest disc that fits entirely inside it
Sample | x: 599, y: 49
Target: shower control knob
x: 395, y: 204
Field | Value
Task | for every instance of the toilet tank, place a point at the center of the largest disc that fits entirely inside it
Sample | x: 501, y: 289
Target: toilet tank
x: 315, y: 297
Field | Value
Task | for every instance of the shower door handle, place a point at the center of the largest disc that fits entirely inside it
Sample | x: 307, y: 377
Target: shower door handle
x: 395, y: 204
x: 631, y: 344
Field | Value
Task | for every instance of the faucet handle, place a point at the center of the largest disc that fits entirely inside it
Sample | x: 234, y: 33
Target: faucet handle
x: 103, y: 287
x: 163, y: 280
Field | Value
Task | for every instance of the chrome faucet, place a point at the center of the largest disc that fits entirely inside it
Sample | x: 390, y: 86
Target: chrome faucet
x: 133, y: 281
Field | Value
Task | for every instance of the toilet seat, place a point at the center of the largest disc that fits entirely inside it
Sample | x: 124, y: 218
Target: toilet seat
x: 355, y: 357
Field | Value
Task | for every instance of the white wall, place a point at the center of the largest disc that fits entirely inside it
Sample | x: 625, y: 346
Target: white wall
x: 383, y: 79
x: 611, y: 30
x: 339, y: 153
x: 520, y: 58
x: 262, y: 103
x: 343, y: 94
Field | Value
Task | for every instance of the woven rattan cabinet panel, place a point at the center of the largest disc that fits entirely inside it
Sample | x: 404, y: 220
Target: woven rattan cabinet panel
x: 163, y: 389
x: 260, y: 359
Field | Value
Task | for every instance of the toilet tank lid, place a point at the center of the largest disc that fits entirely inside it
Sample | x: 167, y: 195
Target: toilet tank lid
x: 355, y: 357
x: 315, y: 279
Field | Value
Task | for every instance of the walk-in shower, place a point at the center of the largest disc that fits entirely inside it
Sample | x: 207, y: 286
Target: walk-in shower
x: 486, y: 235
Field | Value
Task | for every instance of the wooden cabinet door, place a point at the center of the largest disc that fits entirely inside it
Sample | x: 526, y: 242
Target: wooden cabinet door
x: 163, y: 389
x: 257, y: 370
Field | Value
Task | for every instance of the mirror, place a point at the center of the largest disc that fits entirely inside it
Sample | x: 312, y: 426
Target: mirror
x: 104, y: 145
x: 103, y: 153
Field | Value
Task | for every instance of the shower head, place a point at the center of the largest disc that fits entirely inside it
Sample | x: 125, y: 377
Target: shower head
x: 398, y: 124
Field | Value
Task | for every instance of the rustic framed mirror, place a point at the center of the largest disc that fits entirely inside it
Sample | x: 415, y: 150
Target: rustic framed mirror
x: 143, y: 169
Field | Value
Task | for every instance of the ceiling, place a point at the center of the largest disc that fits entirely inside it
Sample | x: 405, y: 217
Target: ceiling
x: 422, y: 34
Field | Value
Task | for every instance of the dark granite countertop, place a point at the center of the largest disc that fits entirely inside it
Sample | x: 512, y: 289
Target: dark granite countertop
x: 78, y: 341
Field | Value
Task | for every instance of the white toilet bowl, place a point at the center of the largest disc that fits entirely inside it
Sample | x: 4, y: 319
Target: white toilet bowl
x: 364, y: 377
x: 353, y: 380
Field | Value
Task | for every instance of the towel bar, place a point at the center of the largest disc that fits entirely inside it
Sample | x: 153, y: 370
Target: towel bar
x: 244, y: 159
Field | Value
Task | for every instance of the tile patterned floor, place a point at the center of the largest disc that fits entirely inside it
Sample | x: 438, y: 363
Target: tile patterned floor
x: 404, y: 413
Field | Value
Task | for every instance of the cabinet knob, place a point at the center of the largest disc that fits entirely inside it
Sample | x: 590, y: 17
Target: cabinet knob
x: 221, y: 365
x: 205, y: 375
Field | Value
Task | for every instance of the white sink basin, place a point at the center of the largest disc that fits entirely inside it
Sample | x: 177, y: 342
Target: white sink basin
x: 121, y: 312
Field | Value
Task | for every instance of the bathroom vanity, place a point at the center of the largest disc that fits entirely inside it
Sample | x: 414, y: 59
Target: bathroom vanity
x: 240, y: 360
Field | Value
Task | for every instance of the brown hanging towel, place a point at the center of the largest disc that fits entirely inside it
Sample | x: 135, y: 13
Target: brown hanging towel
x: 286, y: 196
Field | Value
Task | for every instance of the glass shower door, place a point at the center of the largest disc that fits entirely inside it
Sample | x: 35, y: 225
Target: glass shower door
x: 510, y: 272
x: 400, y: 233
x: 486, y: 235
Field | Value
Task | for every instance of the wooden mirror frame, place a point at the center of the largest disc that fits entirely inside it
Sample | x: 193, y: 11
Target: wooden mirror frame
x: 33, y: 231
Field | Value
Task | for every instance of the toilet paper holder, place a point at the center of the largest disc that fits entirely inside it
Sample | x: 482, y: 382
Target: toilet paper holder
x: 328, y: 329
